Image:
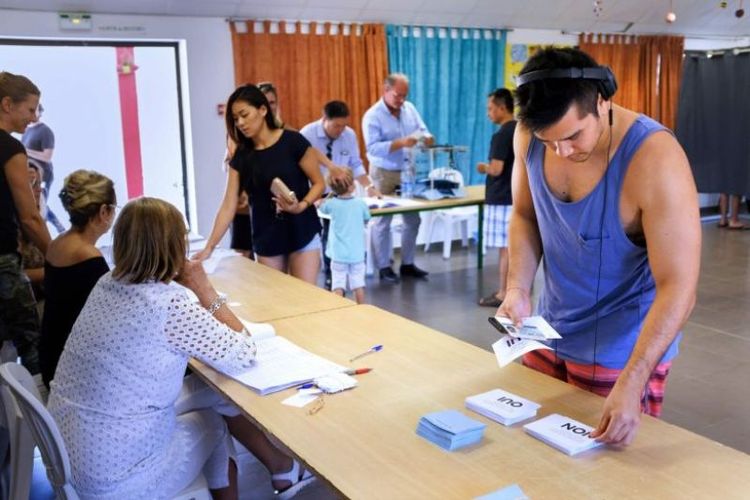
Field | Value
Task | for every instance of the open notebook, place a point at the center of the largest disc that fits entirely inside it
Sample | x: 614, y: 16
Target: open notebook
x: 279, y: 363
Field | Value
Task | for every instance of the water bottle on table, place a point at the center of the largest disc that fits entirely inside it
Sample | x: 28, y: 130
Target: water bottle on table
x: 407, y: 181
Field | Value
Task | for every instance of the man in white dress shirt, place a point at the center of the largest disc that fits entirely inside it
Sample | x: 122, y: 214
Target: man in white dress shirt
x: 391, y: 127
x: 332, y: 136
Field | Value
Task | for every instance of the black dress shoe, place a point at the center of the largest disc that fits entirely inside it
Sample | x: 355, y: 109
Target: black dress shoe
x: 413, y: 271
x: 387, y: 275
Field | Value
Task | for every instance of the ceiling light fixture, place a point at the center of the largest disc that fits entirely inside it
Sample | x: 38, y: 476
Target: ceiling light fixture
x: 598, y: 7
x: 671, y: 16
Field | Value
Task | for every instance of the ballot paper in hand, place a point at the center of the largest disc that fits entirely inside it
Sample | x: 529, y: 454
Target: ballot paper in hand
x: 509, y: 348
x: 565, y: 434
x: 532, y: 328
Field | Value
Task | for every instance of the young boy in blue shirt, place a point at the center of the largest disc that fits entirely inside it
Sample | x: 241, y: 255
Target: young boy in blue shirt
x: 346, y: 239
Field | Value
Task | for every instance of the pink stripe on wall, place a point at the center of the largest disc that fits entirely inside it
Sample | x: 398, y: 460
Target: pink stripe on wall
x: 131, y: 137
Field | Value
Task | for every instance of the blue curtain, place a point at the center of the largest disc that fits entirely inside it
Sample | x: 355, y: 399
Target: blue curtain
x: 450, y: 77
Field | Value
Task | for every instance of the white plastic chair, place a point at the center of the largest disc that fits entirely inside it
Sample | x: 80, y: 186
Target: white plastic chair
x: 449, y: 217
x: 15, y: 438
x: 33, y: 417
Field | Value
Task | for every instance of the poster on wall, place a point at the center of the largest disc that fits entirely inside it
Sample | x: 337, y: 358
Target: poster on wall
x: 516, y: 55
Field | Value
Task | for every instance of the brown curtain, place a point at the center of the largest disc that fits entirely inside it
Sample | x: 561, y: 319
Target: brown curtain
x: 310, y: 69
x: 648, y: 71
x: 671, y: 50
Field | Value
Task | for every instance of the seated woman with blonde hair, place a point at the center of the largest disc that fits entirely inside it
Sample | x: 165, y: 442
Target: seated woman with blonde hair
x: 73, y: 263
x: 133, y: 427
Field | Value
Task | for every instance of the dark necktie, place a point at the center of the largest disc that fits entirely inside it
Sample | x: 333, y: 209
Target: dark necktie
x: 329, y: 149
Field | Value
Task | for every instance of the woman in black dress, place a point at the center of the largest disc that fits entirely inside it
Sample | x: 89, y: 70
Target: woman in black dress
x: 73, y: 263
x: 285, y: 235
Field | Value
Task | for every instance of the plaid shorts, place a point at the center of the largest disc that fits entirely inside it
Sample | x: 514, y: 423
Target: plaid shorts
x: 496, y: 219
x: 598, y: 379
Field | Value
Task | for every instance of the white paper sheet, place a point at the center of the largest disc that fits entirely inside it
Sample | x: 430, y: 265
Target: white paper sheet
x: 509, y: 348
x: 302, y: 398
x: 280, y: 364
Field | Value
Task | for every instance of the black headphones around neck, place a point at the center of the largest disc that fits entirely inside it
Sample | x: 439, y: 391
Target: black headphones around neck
x: 602, y: 75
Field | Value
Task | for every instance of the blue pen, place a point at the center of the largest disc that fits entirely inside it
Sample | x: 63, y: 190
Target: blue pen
x: 308, y: 385
x: 371, y: 350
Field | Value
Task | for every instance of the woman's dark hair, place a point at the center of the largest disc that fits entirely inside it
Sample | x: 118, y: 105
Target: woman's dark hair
x: 251, y: 95
x: 543, y: 103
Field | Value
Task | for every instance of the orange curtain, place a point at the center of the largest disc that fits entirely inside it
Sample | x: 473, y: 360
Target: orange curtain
x: 310, y: 69
x: 623, y: 55
x: 671, y: 50
x: 648, y: 71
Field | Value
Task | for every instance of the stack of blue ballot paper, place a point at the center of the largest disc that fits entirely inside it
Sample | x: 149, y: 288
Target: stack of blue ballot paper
x: 450, y: 429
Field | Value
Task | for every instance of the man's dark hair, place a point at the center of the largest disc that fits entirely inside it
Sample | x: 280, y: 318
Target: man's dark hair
x: 502, y: 97
x: 335, y: 109
x: 543, y: 103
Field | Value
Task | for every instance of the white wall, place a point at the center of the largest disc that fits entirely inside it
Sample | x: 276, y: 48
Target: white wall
x: 210, y: 80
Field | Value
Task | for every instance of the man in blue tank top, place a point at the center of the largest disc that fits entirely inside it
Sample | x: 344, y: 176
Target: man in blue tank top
x: 605, y: 199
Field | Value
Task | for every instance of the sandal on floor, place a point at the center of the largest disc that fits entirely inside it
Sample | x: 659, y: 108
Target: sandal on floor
x: 722, y: 224
x: 490, y: 301
x: 298, y: 477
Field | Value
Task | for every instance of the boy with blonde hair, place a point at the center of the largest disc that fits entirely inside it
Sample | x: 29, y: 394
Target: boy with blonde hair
x: 346, y: 240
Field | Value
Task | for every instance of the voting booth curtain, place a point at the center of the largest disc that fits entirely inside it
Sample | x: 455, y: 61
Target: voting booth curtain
x: 648, y: 71
x: 311, y: 64
x: 713, y: 122
x: 451, y: 71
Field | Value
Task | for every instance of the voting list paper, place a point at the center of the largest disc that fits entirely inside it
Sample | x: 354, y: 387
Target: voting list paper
x: 280, y: 364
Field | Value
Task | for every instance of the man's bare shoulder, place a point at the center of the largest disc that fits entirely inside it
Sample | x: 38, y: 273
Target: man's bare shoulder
x: 659, y: 166
x: 521, y: 141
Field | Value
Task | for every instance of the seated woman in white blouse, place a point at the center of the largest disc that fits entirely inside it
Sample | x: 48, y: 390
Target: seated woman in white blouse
x: 132, y: 428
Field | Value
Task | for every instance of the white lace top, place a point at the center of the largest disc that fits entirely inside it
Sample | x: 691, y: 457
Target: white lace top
x: 120, y: 374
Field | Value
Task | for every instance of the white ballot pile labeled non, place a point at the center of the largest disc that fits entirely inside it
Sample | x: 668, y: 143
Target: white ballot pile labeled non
x: 564, y: 433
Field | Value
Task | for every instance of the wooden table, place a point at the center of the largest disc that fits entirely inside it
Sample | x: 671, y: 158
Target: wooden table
x: 474, y: 196
x: 265, y: 294
x: 363, y: 441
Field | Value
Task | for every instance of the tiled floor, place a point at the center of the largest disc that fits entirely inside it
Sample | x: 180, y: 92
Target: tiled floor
x: 708, y: 390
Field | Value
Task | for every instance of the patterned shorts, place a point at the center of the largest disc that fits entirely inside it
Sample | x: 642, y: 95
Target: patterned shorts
x: 19, y: 321
x: 598, y: 379
x: 496, y: 219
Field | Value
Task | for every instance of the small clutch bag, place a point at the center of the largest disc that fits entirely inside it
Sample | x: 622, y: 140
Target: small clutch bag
x: 280, y: 190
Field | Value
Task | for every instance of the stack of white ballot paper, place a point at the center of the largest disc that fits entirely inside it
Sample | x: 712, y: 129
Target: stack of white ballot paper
x: 501, y: 406
x: 280, y: 364
x: 565, y: 434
